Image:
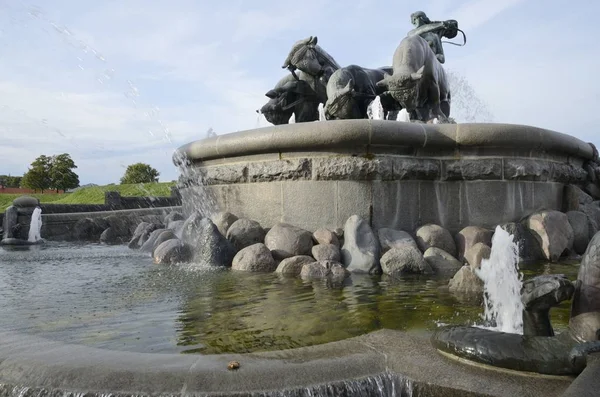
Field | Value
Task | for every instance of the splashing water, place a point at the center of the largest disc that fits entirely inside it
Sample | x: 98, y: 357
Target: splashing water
x: 502, y: 284
x: 35, y: 226
x: 403, y: 116
x: 375, y: 110
x: 322, y: 112
x: 293, y: 118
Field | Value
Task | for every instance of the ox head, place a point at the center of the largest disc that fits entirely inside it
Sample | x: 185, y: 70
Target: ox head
x: 403, y: 87
x: 304, y: 56
x: 342, y: 104
x: 284, y: 100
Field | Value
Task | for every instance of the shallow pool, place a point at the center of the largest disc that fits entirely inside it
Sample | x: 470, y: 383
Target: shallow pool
x: 115, y: 298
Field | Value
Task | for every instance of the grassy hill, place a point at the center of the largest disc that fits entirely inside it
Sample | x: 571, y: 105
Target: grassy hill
x: 95, y: 194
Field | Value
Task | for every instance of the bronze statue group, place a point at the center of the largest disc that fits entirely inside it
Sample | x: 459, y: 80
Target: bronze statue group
x: 416, y: 81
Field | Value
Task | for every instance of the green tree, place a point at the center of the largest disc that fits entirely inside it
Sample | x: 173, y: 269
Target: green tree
x: 139, y: 173
x: 10, y: 181
x: 38, y: 175
x: 61, y: 172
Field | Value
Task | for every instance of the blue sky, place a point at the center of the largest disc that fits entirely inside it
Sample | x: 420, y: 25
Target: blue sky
x: 115, y: 82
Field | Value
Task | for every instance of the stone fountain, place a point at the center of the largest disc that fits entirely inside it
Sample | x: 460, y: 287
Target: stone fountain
x: 375, y: 175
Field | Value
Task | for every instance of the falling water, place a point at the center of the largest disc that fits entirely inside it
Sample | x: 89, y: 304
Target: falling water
x: 403, y: 116
x: 293, y: 118
x: 502, y: 284
x: 322, y: 112
x: 35, y: 226
x: 375, y: 110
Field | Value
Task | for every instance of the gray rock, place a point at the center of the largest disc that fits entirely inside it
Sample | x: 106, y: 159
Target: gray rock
x: 285, y: 240
x: 574, y: 197
x: 26, y: 202
x: 176, y: 227
x: 86, y: 229
x: 109, y: 237
x: 171, y: 251
x: 553, y: 232
x: 121, y: 225
x: 326, y: 236
x: 140, y: 228
x: 352, y: 168
x: 326, y: 252
x: 593, y: 212
x: 404, y: 260
x: 360, y: 252
x: 476, y: 253
x: 391, y: 238
x: 435, y: 236
x: 254, y: 258
x: 469, y: 236
x: 594, y: 190
x: 172, y: 217
x: 442, y: 262
x: 165, y: 235
x: 148, y: 245
x: 330, y: 270
x: 580, y: 223
x: 314, y: 271
x: 293, y: 265
x: 244, y: 233
x: 528, y: 246
x: 223, y: 220
x: 210, y: 246
x: 465, y: 281
x: 142, y: 234
x: 190, y: 228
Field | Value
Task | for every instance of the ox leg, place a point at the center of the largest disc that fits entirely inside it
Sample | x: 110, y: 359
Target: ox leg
x: 445, y: 107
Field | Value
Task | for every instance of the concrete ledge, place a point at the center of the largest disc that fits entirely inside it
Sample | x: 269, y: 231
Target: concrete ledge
x: 406, y: 363
x: 364, y: 135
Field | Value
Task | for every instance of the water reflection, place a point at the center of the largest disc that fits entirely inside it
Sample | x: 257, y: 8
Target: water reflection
x: 111, y: 297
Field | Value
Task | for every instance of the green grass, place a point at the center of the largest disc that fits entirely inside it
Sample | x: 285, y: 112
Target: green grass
x: 95, y: 194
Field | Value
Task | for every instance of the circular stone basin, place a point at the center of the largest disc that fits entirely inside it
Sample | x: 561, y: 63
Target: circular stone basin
x: 114, y: 298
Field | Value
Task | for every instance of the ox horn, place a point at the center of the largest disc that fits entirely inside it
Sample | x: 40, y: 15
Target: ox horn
x: 418, y: 74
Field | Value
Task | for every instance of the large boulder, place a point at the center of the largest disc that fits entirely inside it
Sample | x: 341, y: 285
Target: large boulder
x: 141, y: 234
x: 466, y: 282
x: 110, y: 237
x: 286, y: 240
x: 121, y: 225
x: 529, y: 249
x: 163, y: 236
x: 471, y: 235
x: 360, y: 252
x: 404, y: 260
x: 209, y: 246
x: 326, y: 252
x: 580, y: 223
x: 293, y: 265
x: 592, y: 210
x: 476, y: 254
x: 435, y: 236
x: 244, y: 233
x: 171, y: 251
x: 223, y: 220
x: 574, y: 197
x: 254, y: 258
x: 585, y: 308
x: 326, y: 236
x: 176, y: 227
x: 391, y: 238
x: 149, y: 244
x: 441, y: 262
x: 87, y: 229
x: 553, y: 231
x: 190, y: 228
x: 172, y: 217
x: 330, y: 270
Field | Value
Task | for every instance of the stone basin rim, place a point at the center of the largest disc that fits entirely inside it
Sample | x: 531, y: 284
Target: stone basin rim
x: 38, y: 363
x: 362, y: 135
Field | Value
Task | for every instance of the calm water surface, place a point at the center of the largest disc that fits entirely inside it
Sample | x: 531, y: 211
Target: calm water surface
x: 115, y: 298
